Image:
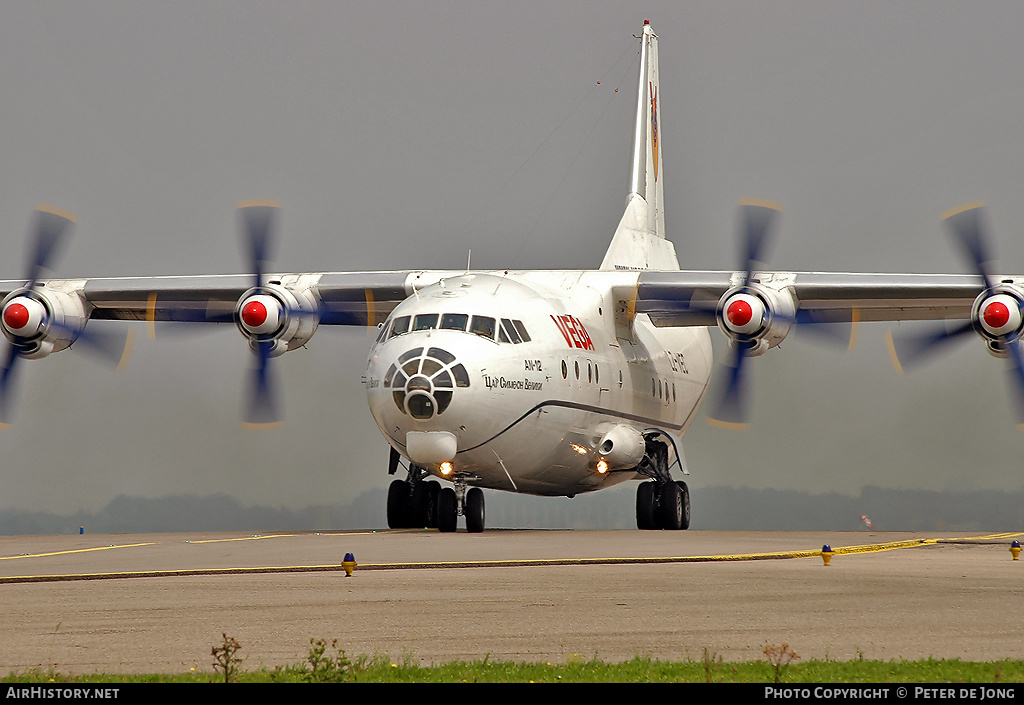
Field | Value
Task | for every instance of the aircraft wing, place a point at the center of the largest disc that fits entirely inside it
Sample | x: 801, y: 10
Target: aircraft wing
x: 690, y: 298
x: 342, y: 298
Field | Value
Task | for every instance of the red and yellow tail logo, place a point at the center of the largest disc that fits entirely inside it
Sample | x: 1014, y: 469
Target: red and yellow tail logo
x: 654, y: 127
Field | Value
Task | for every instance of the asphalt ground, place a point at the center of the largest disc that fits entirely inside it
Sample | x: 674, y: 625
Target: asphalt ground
x: 161, y: 602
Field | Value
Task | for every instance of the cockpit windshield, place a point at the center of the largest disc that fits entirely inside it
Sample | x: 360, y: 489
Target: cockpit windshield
x: 504, y: 330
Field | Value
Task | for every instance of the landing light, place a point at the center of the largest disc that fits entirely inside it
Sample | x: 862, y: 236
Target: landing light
x: 446, y: 468
x: 602, y: 466
x: 578, y: 448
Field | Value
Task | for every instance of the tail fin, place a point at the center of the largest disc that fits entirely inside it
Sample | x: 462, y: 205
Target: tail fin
x: 639, y: 241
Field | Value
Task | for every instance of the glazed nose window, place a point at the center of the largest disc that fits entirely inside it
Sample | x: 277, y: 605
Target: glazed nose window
x: 422, y: 387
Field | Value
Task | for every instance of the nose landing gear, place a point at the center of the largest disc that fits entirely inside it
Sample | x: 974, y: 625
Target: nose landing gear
x: 416, y: 502
x: 453, y: 502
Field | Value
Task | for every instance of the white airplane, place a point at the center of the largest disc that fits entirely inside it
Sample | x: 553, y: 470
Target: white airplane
x: 542, y: 382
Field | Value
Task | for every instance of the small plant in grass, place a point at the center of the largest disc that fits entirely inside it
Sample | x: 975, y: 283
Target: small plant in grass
x: 324, y: 667
x: 711, y: 662
x: 779, y: 657
x: 226, y: 658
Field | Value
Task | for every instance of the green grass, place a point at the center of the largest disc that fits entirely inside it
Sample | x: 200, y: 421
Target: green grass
x: 381, y: 669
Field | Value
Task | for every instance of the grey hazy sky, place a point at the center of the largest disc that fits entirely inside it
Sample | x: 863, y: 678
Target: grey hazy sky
x: 397, y: 135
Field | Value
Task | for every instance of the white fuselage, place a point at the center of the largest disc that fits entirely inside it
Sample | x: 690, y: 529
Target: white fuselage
x: 527, y: 414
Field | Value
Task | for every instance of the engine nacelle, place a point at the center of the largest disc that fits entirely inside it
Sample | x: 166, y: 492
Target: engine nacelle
x: 43, y: 320
x: 278, y: 314
x: 756, y: 316
x: 622, y: 447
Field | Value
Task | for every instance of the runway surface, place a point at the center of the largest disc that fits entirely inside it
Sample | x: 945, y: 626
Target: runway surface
x: 160, y: 602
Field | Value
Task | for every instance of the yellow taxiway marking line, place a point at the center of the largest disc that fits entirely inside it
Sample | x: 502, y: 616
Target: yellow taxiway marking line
x: 75, y: 550
x: 776, y: 555
x: 255, y: 537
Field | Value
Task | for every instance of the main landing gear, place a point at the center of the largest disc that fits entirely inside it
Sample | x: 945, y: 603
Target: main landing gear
x: 661, y: 502
x: 418, y: 503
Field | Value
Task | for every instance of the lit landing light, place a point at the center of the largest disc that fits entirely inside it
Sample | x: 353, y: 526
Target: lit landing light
x: 602, y: 466
x: 446, y: 468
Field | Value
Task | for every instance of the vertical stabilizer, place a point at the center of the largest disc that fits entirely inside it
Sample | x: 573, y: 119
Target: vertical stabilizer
x: 639, y: 241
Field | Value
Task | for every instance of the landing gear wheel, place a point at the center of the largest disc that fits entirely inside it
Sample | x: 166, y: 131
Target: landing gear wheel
x: 474, y: 510
x: 447, y: 510
x: 398, y: 505
x: 424, y: 504
x: 430, y: 521
x: 686, y: 504
x: 671, y: 508
x: 646, y: 517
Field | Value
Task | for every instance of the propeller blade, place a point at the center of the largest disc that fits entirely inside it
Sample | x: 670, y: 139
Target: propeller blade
x: 113, y: 347
x: 731, y: 409
x: 7, y: 378
x: 261, y: 410
x: 258, y: 220
x: 968, y: 228
x: 46, y: 235
x: 756, y: 220
x: 1017, y: 379
x: 913, y: 349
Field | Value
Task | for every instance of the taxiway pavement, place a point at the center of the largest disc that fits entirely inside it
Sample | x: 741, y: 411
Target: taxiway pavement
x: 160, y: 602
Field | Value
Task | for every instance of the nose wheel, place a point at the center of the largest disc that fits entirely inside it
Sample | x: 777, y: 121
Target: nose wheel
x: 471, y: 506
x: 416, y: 502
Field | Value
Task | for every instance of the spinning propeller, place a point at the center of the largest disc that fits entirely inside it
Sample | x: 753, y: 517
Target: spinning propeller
x: 996, y: 314
x: 742, y: 313
x: 261, y: 315
x: 756, y: 317
x: 35, y: 322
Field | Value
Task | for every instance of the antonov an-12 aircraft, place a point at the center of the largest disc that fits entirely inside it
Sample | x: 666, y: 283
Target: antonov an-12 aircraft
x: 543, y: 382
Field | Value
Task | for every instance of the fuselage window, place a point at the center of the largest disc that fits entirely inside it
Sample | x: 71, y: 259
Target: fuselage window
x: 400, y: 326
x: 576, y: 364
x: 513, y: 334
x: 454, y: 321
x: 673, y: 392
x: 659, y: 389
x: 565, y: 371
x: 482, y: 326
x: 521, y: 329
x: 597, y: 374
x: 425, y: 321
x: 654, y: 388
x: 590, y: 373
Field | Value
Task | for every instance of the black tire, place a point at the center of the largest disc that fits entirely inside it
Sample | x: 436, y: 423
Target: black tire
x: 646, y: 517
x: 671, y: 508
x: 398, y: 505
x: 447, y: 510
x: 686, y: 504
x: 424, y: 506
x: 432, y: 491
x: 474, y: 510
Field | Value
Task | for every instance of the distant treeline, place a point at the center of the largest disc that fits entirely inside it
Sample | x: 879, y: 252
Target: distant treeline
x: 718, y: 508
